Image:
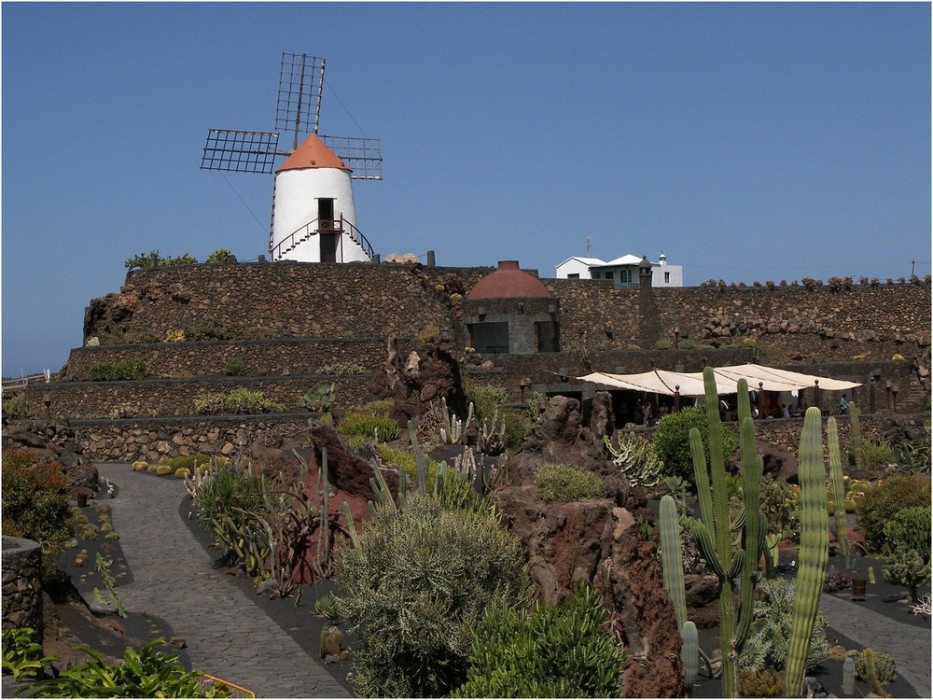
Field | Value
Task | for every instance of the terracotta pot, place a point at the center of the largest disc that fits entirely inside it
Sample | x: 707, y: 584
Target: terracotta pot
x: 858, y: 589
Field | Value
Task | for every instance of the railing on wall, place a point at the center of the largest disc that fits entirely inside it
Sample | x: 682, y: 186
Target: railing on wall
x: 22, y: 382
x: 318, y: 226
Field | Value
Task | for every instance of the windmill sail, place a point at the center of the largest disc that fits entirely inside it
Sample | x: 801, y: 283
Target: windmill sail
x: 297, y: 113
x: 240, y: 151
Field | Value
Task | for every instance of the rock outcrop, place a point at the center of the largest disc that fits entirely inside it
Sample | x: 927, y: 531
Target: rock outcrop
x: 53, y: 442
x: 594, y: 541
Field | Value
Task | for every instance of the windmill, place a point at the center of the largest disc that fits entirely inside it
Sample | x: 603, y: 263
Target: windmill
x: 313, y: 215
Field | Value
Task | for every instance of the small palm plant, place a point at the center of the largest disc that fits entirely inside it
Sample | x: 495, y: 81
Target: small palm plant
x: 331, y: 636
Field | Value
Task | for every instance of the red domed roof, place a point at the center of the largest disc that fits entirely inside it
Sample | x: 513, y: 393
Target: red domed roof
x: 508, y: 282
x: 312, y: 153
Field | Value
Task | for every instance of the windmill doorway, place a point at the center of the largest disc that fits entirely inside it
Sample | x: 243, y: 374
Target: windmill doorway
x: 328, y: 229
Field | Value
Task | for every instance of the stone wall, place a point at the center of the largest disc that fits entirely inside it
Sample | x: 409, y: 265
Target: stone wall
x: 174, y: 397
x: 237, y: 436
x: 278, y: 300
x: 544, y: 372
x: 260, y: 357
x: 150, y: 440
x: 22, y: 592
x: 792, y: 323
x: 287, y: 321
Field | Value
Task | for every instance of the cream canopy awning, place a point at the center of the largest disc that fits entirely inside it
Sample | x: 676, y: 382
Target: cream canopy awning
x: 661, y: 381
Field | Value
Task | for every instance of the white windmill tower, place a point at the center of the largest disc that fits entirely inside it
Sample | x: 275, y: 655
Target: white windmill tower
x: 313, y: 214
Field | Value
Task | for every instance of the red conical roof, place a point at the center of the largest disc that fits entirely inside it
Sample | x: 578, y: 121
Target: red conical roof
x: 312, y: 153
x: 508, y: 282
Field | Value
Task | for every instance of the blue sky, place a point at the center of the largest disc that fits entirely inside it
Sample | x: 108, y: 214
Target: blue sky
x: 761, y: 141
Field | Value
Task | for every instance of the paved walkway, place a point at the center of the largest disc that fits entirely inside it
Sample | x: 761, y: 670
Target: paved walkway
x: 227, y: 634
x: 908, y: 644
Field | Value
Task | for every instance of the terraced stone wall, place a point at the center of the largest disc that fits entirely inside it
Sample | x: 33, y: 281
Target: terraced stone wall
x: 791, y: 324
x: 278, y: 300
x: 259, y: 357
x: 302, y: 300
x: 175, y: 397
x: 150, y: 440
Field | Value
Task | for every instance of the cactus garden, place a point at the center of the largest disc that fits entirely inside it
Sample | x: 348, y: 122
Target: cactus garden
x: 492, y: 549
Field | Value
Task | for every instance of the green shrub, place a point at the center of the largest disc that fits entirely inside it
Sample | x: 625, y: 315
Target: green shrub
x: 17, y: 408
x: 517, y: 425
x: 235, y: 367
x: 907, y: 568
x: 885, y: 667
x: 235, y: 401
x: 671, y: 441
x: 884, y: 501
x: 772, y: 618
x: 486, y: 399
x: 397, y: 456
x: 490, y: 401
x: 877, y: 453
x: 367, y: 422
x: 144, y: 674
x: 404, y: 459
x: 780, y: 503
x: 563, y: 483
x: 227, y: 490
x: 909, y: 529
x: 551, y: 652
x: 144, y: 261
x: 125, y: 370
x: 414, y: 589
x: 22, y: 654
x: 35, y: 505
x: 218, y: 256
x: 915, y: 455
x: 635, y: 458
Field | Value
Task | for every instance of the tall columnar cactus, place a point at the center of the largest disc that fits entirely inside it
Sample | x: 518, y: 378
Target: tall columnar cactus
x: 452, y: 429
x: 848, y: 676
x: 672, y: 558
x: 838, y: 487
x: 690, y: 653
x: 872, y: 674
x: 713, y: 533
x: 814, y: 549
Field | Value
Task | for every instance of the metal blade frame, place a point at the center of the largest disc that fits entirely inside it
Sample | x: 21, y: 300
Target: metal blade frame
x: 301, y: 88
x: 362, y: 155
x: 240, y: 151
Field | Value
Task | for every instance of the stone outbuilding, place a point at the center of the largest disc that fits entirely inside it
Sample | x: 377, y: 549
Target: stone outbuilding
x: 511, y: 311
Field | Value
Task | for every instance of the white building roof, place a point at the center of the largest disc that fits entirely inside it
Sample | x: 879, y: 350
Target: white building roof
x: 624, y: 260
x: 585, y: 261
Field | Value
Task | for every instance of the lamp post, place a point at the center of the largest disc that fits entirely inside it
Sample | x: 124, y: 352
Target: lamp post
x: 524, y: 384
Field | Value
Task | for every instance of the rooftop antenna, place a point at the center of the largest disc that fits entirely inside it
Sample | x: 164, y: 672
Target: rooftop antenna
x: 587, y: 241
x: 297, y: 112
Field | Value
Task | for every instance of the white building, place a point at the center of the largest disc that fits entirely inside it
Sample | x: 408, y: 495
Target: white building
x: 623, y: 271
x: 313, y: 215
